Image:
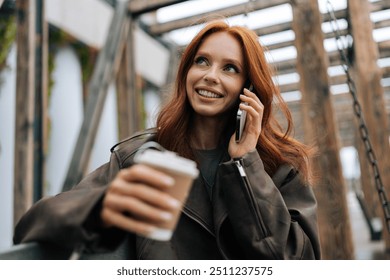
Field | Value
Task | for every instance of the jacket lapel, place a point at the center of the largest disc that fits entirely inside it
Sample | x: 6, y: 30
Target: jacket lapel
x: 198, y: 206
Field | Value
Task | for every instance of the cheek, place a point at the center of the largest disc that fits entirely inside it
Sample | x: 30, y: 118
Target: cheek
x: 233, y: 85
x: 193, y: 74
x: 234, y: 90
x: 189, y: 80
x: 233, y: 100
x: 189, y: 84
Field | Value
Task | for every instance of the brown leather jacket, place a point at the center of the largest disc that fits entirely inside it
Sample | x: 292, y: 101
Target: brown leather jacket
x: 250, y: 216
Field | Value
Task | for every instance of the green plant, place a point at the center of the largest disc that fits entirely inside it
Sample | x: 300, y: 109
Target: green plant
x: 7, y: 37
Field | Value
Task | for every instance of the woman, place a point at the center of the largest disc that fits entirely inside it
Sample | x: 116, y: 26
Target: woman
x: 252, y: 199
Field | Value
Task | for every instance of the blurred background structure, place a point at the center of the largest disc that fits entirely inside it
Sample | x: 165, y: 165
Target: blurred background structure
x: 77, y: 76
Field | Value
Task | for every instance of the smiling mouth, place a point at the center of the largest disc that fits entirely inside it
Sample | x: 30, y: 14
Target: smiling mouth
x: 208, y: 94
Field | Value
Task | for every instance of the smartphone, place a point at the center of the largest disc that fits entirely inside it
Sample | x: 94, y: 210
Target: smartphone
x: 241, y: 118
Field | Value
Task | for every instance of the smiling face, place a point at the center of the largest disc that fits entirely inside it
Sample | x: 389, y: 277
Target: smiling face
x: 217, y: 75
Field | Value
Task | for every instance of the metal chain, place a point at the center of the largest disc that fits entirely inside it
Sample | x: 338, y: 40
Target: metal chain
x: 358, y: 113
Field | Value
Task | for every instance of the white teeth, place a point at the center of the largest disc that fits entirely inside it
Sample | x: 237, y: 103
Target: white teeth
x: 209, y: 94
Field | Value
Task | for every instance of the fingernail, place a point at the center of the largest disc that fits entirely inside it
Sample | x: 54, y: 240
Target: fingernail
x: 150, y: 230
x: 174, y: 203
x: 166, y: 216
x: 169, y: 181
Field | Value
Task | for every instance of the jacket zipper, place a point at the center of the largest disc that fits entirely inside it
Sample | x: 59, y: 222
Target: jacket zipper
x: 255, y: 210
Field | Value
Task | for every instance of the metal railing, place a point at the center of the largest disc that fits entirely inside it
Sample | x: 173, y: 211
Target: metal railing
x: 41, y: 251
x: 34, y: 251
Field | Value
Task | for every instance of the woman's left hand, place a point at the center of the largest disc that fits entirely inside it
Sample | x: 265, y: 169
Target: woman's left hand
x: 252, y: 129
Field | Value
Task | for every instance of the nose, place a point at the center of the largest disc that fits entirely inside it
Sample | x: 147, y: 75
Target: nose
x: 211, y: 75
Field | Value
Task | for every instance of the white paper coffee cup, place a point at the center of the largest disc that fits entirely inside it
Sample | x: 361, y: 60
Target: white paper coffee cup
x: 183, y: 170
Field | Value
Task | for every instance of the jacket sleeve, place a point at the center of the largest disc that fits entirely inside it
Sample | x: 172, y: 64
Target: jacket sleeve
x: 268, y: 218
x: 71, y: 219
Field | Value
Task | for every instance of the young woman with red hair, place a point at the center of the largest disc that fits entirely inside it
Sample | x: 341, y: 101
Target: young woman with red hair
x: 252, y: 199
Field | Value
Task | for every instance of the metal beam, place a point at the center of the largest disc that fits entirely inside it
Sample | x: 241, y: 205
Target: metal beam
x: 40, y: 118
x: 105, y: 70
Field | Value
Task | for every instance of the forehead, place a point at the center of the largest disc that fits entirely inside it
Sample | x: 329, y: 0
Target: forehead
x: 222, y: 44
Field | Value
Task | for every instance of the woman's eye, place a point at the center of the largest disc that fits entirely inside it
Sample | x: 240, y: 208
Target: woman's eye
x: 231, y: 68
x: 201, y: 60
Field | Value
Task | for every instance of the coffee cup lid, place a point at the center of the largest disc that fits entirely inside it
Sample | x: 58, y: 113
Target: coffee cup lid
x: 167, y: 160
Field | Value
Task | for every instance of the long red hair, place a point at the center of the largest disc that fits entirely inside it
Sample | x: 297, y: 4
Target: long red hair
x: 275, y: 146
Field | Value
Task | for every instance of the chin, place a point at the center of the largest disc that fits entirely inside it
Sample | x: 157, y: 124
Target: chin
x: 206, y: 113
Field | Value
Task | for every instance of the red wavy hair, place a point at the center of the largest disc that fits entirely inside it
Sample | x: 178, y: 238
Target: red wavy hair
x: 275, y: 146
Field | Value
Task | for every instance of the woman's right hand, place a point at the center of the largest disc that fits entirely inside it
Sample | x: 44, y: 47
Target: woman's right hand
x: 136, y: 200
